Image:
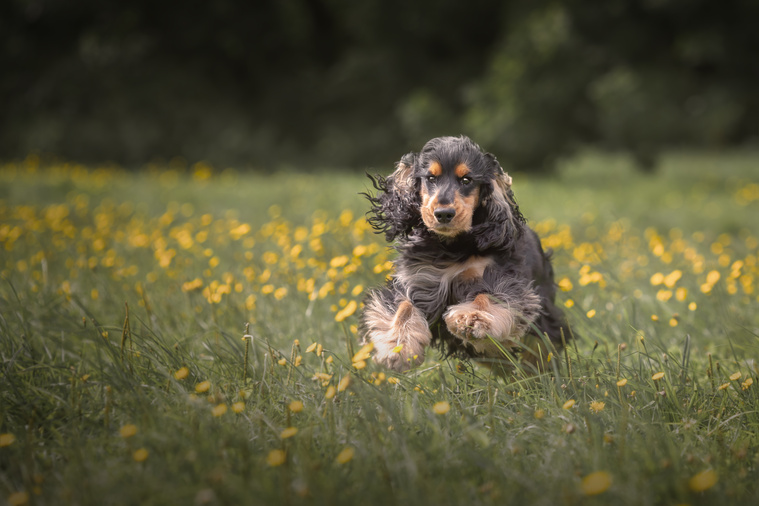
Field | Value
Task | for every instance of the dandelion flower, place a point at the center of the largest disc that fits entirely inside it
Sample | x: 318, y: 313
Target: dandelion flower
x: 348, y: 310
x: 203, y: 386
x: 345, y: 456
x: 181, y: 373
x: 296, y: 406
x: 288, y: 432
x: 441, y: 408
x: 657, y: 376
x: 140, y: 455
x: 344, y: 383
x: 596, y: 483
x: 18, y: 498
x: 219, y: 410
x: 735, y: 376
x: 703, y: 481
x: 597, y: 406
x: 128, y: 430
x: 569, y: 404
x: 276, y: 458
x: 7, y: 439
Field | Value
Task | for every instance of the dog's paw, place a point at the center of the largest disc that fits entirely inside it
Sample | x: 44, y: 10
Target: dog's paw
x: 469, y: 324
x: 400, y: 342
x: 479, y: 319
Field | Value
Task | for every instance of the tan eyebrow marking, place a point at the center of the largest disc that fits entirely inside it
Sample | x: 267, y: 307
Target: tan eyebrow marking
x: 435, y: 169
x: 462, y: 170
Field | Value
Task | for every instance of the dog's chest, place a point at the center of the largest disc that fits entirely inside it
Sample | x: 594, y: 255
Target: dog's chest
x: 434, y: 283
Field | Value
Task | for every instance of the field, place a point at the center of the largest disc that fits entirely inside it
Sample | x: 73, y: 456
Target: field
x: 181, y: 335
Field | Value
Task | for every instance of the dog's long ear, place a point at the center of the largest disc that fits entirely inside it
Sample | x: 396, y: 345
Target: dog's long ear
x: 395, y: 207
x: 503, y: 223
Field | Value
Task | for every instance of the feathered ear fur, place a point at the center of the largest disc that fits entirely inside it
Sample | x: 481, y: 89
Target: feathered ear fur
x: 395, y: 208
x: 503, y: 223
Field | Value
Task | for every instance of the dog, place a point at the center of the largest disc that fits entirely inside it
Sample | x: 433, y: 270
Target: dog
x: 470, y: 278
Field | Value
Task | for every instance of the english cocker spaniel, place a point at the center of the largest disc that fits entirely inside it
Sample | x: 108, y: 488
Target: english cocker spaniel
x: 470, y: 276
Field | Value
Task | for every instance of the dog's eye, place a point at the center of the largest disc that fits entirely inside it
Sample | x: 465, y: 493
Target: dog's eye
x: 466, y: 180
x: 431, y: 179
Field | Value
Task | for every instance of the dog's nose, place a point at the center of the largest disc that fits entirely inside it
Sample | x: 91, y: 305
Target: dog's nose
x: 444, y: 215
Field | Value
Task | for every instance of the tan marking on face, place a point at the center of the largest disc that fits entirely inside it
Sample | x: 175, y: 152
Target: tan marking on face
x: 435, y: 169
x: 461, y: 170
x: 462, y: 221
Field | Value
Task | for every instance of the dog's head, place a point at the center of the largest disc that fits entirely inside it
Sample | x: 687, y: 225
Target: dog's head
x: 450, y: 188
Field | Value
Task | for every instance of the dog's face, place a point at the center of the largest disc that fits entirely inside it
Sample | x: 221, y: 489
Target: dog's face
x: 454, y: 176
x: 450, y: 194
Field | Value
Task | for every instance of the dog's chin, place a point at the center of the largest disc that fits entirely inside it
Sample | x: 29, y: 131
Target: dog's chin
x: 445, y: 231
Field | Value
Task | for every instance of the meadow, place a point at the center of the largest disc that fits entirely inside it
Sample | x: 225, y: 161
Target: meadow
x: 185, y: 335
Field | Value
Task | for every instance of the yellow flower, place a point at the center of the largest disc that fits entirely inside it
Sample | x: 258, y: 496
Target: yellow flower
x: 397, y: 349
x: 288, y: 432
x: 345, y: 456
x: 723, y: 386
x: 622, y: 382
x: 569, y: 404
x: 657, y: 376
x: 276, y: 458
x: 735, y: 376
x: 747, y: 383
x: 364, y: 353
x: 597, y: 406
x: 311, y: 347
x: 18, y: 498
x: 344, y: 383
x: 7, y: 439
x: 591, y: 313
x: 539, y: 413
x: 330, y: 393
x: 360, y: 364
x: 140, y: 455
x: 596, y: 483
x: 219, y: 410
x: 238, y: 407
x: 348, y: 310
x: 203, y: 386
x: 703, y: 481
x: 128, y: 430
x: 296, y: 406
x: 441, y: 407
x: 282, y: 361
x: 181, y: 373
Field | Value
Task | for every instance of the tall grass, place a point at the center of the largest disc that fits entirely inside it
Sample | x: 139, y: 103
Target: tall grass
x: 184, y: 336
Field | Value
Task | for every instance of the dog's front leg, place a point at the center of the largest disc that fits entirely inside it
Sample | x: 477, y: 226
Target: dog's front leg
x: 496, y: 316
x: 399, y: 330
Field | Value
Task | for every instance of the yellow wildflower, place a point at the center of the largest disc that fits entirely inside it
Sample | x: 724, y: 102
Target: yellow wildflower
x: 276, y: 458
x: 596, y: 483
x: 703, y: 481
x: 657, y: 376
x: 441, y: 407
x: 345, y: 456
x: 140, y: 455
x: 7, y: 439
x: 569, y: 404
x: 288, y: 432
x: 128, y: 430
x: 203, y: 386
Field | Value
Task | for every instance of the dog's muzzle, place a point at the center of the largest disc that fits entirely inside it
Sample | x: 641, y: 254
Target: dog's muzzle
x: 444, y: 215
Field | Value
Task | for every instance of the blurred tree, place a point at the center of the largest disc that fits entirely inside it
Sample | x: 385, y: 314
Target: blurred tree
x: 329, y: 82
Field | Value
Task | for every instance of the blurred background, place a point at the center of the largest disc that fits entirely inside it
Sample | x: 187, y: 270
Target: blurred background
x: 331, y: 83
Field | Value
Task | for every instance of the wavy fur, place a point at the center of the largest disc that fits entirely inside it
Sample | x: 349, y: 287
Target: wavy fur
x: 468, y: 278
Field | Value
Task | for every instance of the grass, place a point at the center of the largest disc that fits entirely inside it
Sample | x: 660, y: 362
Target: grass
x: 182, y: 336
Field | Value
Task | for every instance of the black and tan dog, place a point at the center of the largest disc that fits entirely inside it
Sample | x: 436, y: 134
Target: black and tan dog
x: 469, y: 271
